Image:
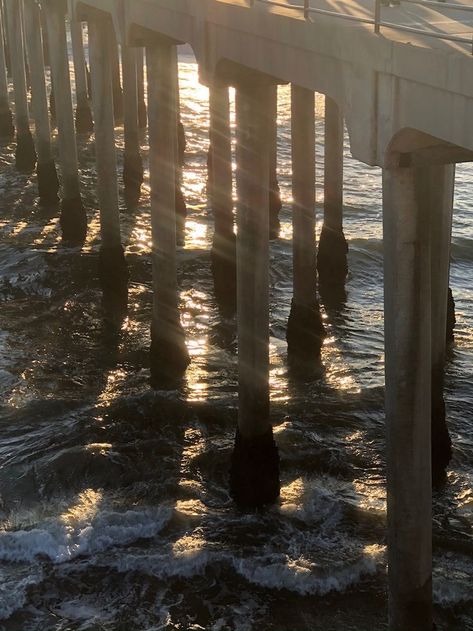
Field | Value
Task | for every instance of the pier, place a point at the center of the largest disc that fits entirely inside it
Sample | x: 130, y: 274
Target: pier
x: 398, y: 78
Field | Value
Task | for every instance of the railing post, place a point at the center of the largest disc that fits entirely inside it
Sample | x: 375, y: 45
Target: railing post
x: 306, y: 9
x: 377, y: 15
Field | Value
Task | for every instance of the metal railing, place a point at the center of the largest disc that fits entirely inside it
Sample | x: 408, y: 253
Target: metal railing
x: 376, y: 20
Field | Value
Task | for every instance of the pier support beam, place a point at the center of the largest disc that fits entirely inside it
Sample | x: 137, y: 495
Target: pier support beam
x: 332, y: 253
x: 254, y: 475
x: 140, y: 70
x: 25, y: 155
x: 84, y: 122
x: 132, y: 163
x: 169, y: 355
x: 407, y: 278
x: 275, y: 204
x: 73, y: 217
x: 48, y: 183
x: 113, y: 270
x: 439, y: 189
x: 305, y: 330
x: 7, y: 130
x: 223, y: 254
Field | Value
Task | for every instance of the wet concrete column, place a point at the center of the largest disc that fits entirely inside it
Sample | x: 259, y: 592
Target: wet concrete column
x: 73, y: 217
x: 140, y: 73
x: 275, y: 204
x: 25, y: 155
x: 48, y: 183
x: 116, y: 79
x: 408, y: 363
x: 254, y: 476
x: 332, y: 253
x: 169, y: 355
x: 223, y: 254
x: 305, y: 330
x: 439, y: 190
x: 84, y: 122
x: 112, y: 266
x: 132, y: 163
x: 7, y: 130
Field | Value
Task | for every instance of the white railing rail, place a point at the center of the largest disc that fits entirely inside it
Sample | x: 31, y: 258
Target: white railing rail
x: 376, y: 20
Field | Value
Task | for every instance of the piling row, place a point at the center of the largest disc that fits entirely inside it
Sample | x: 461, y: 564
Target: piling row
x: 417, y: 230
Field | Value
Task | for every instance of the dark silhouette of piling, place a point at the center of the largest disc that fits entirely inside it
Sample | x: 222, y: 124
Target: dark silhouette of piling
x: 332, y: 252
x: 132, y: 162
x: 169, y: 355
x: 223, y: 253
x: 73, y: 219
x: 305, y: 330
x: 84, y: 121
x: 25, y: 153
x: 254, y: 475
x: 48, y: 183
x: 113, y: 269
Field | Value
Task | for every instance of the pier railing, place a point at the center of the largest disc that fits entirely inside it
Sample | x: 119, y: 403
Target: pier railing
x: 376, y: 20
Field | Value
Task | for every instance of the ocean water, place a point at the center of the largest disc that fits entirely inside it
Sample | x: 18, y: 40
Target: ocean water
x: 114, y: 505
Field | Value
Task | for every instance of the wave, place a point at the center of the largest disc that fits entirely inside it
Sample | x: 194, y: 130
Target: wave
x: 64, y: 538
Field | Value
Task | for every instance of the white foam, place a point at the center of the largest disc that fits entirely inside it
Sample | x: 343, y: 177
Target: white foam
x: 14, y: 590
x: 64, y: 538
x: 277, y: 571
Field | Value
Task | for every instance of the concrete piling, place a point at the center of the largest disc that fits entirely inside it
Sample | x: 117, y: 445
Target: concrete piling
x: 169, y: 355
x: 254, y: 475
x: 408, y: 364
x: 73, y: 216
x: 112, y: 265
x: 7, y: 129
x: 332, y: 264
x: 439, y: 189
x: 84, y: 122
x: 305, y: 330
x: 25, y: 154
x: 223, y: 254
x: 132, y: 162
x: 48, y: 183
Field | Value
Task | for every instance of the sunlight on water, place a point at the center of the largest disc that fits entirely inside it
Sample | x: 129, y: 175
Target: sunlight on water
x: 84, y: 509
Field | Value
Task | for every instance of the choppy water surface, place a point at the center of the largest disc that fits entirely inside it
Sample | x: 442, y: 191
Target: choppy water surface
x: 114, y: 509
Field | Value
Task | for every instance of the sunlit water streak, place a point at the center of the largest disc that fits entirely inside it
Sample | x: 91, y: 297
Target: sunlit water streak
x: 114, y: 506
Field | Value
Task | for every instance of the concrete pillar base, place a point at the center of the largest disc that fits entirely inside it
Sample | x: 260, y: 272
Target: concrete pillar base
x: 73, y: 221
x: 84, y: 120
x: 142, y: 115
x: 7, y: 129
x: 25, y: 154
x: 181, y: 214
x: 223, y: 265
x: 275, y: 206
x: 132, y: 177
x: 113, y: 273
x: 168, y: 358
x: 441, y: 441
x: 332, y: 263
x: 305, y: 331
x: 254, y: 472
x: 48, y: 183
x: 451, y: 319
